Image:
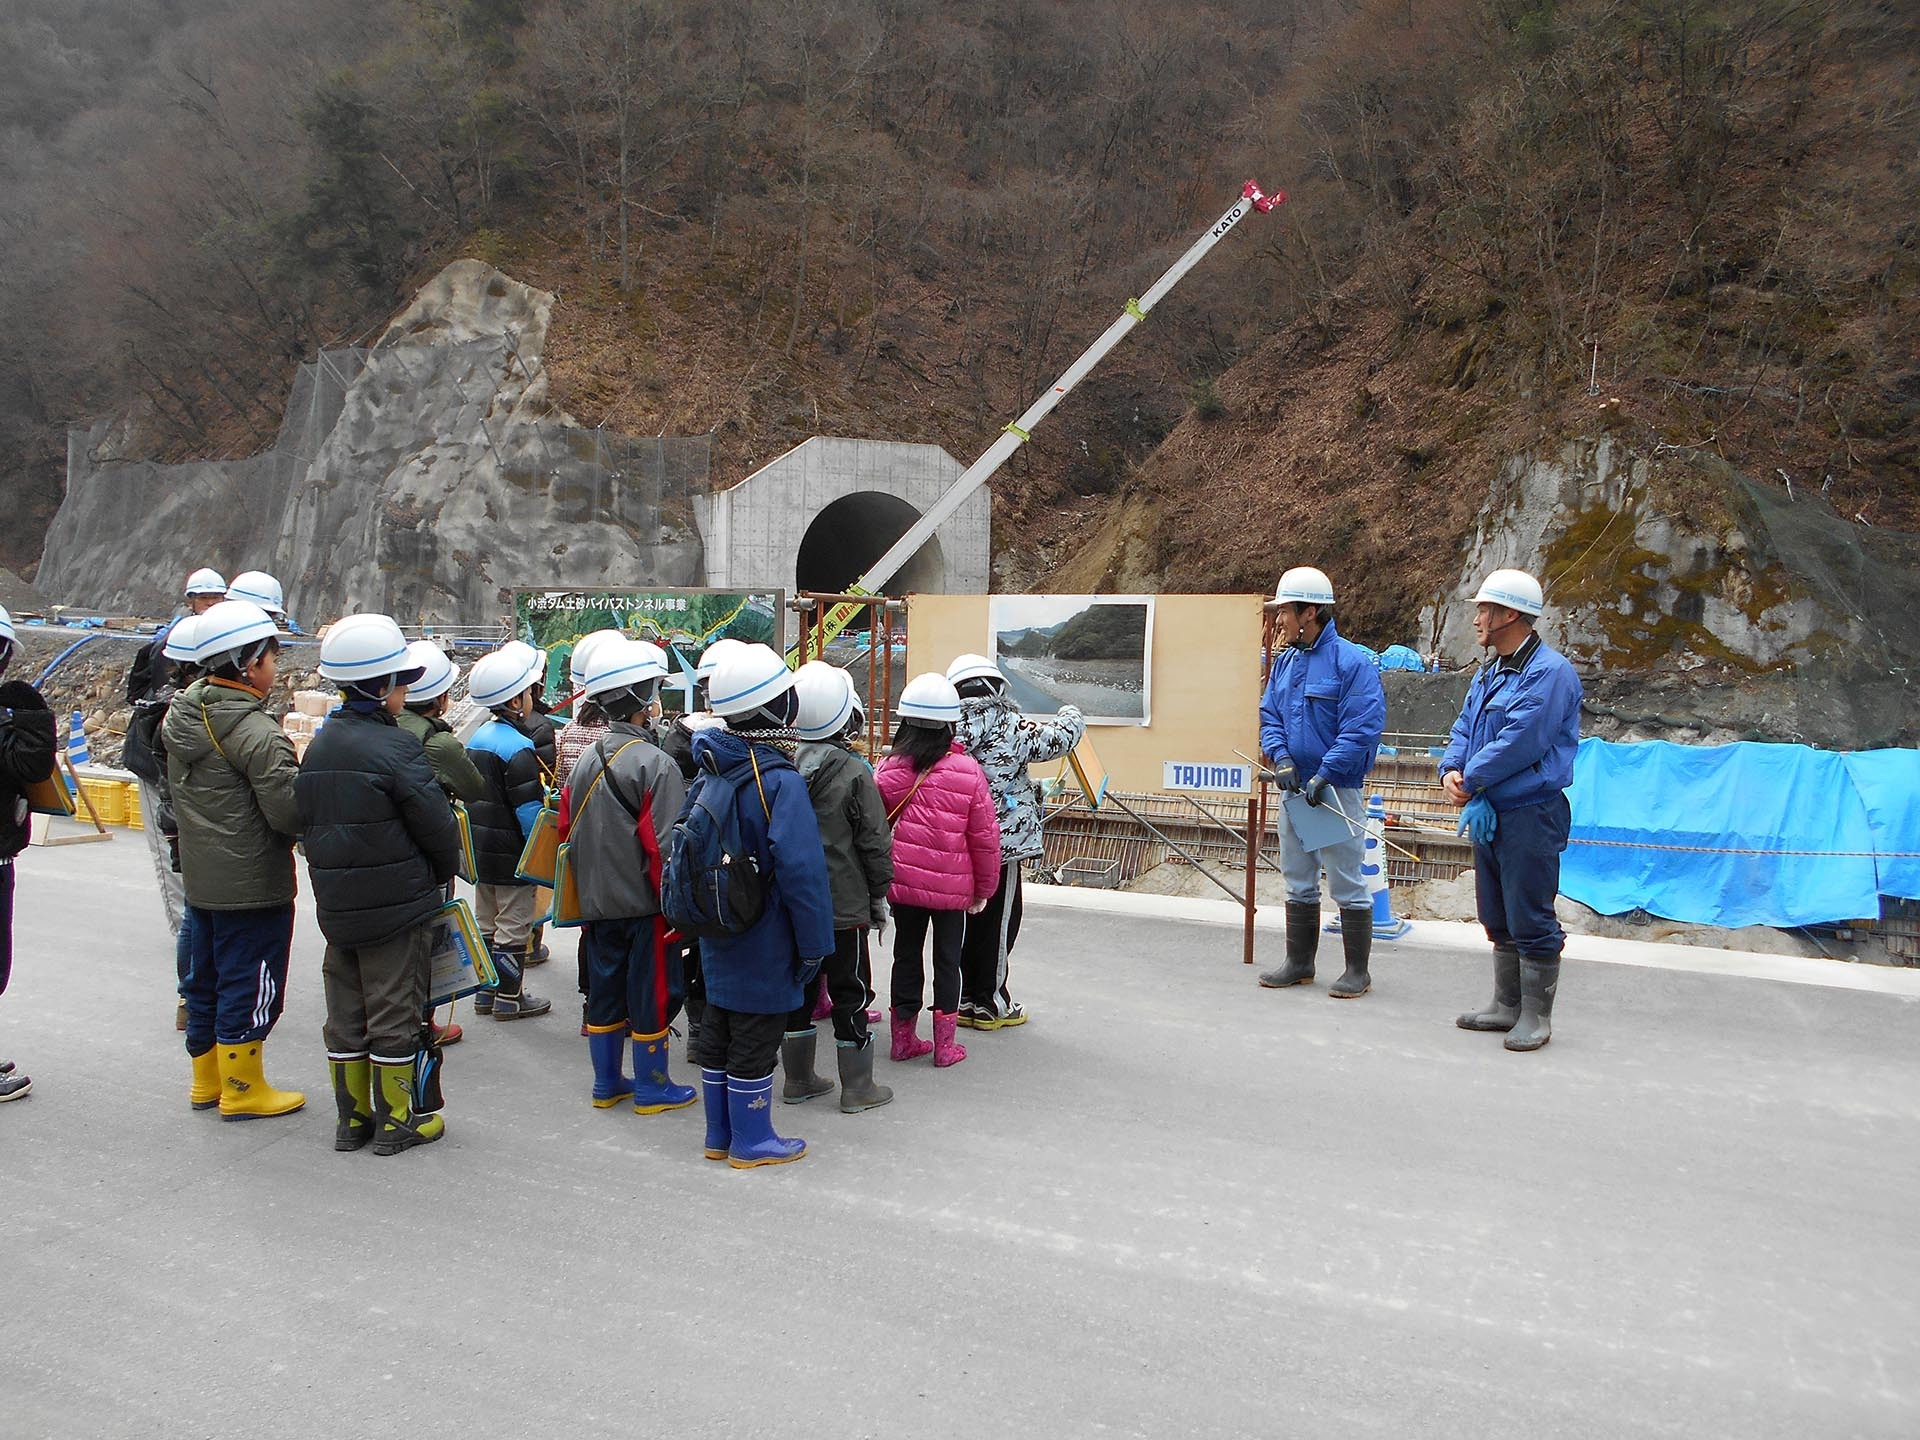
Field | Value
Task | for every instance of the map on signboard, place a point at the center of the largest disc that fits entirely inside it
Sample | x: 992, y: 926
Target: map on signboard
x: 681, y: 622
x: 1093, y: 651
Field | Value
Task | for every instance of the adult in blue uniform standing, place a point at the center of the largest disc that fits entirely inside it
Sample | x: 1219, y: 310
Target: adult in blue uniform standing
x: 1320, y: 725
x: 1508, y: 764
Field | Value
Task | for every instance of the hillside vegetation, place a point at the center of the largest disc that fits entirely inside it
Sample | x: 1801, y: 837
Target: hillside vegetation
x: 772, y: 218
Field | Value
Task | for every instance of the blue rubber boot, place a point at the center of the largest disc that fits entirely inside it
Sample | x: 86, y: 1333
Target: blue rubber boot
x: 607, y: 1044
x: 653, y: 1089
x: 750, y: 1112
x: 713, y: 1086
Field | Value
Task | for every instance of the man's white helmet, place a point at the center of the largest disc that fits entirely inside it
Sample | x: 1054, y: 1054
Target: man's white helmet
x: 231, y: 631
x: 182, y: 644
x: 713, y: 655
x: 583, y: 649
x: 205, y: 581
x: 1304, y: 585
x: 621, y: 666
x: 437, y: 672
x: 261, y: 589
x: 501, y: 674
x: 6, y: 627
x: 745, y: 679
x: 974, y: 667
x: 366, y: 647
x: 1514, y: 589
x: 931, y: 699
x: 827, y: 700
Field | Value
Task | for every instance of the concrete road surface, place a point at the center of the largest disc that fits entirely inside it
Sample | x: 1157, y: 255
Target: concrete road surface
x: 1172, y: 1205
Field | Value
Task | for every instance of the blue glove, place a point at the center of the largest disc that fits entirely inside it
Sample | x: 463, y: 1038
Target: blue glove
x: 1317, y: 789
x: 1479, y: 820
x: 805, y: 972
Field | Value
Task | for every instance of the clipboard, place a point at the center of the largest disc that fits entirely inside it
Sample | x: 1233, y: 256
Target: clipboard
x: 541, y: 853
x: 458, y: 962
x: 1317, y: 826
x: 468, y: 868
x: 1083, y: 764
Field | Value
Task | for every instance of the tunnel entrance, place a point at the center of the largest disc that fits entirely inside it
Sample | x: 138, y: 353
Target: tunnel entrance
x: 856, y: 530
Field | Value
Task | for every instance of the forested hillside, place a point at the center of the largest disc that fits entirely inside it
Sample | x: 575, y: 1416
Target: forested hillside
x: 772, y: 218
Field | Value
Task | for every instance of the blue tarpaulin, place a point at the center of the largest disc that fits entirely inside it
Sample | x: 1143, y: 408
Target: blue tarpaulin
x: 1743, y: 834
x: 1400, y: 657
x: 1889, y: 786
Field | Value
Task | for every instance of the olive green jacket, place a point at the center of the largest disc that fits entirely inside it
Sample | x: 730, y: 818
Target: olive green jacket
x: 231, y: 772
x: 447, y: 756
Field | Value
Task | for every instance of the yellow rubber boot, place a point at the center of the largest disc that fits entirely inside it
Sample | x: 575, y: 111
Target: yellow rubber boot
x: 353, y: 1099
x: 244, y: 1091
x: 396, y: 1127
x: 205, y: 1093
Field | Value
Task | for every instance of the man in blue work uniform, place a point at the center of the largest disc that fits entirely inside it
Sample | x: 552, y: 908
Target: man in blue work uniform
x: 1508, y: 763
x: 1320, y: 725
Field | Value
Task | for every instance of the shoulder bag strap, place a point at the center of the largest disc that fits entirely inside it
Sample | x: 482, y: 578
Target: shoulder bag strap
x: 894, y: 813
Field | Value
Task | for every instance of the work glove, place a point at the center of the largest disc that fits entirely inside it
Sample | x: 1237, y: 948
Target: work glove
x: 881, y: 917
x: 1479, y: 820
x: 1285, y: 774
x: 1317, y: 789
x: 805, y: 972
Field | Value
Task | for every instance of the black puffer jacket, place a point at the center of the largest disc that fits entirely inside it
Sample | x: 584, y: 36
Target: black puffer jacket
x: 379, y: 833
x: 26, y: 757
x: 516, y: 782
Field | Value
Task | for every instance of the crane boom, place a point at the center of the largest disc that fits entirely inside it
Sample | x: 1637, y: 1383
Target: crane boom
x: 1013, y: 436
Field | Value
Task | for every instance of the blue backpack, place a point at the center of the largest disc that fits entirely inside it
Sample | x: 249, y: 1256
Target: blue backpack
x: 711, y: 885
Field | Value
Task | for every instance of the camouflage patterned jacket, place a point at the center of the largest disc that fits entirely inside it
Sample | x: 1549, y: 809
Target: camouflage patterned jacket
x: 1005, y: 742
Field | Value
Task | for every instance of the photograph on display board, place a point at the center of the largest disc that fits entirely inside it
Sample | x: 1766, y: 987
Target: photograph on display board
x: 1093, y: 651
x: 682, y: 622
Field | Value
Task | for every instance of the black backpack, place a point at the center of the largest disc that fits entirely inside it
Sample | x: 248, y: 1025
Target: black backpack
x: 711, y: 885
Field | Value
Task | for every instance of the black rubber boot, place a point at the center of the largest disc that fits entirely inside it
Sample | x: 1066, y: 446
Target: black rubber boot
x: 1538, y: 980
x: 1303, y: 942
x: 1356, y: 937
x: 857, y: 1089
x: 511, y: 1001
x: 1505, y: 1009
x: 796, y: 1060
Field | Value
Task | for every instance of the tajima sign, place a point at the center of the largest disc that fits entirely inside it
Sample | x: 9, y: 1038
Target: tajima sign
x: 1210, y: 779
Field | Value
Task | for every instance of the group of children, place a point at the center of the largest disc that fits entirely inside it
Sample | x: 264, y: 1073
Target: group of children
x: 737, y: 862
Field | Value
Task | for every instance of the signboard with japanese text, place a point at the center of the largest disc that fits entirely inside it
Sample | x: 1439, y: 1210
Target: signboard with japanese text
x: 683, y: 622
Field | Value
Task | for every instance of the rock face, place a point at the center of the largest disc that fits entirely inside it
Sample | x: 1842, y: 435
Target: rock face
x: 427, y: 476
x: 1776, y: 617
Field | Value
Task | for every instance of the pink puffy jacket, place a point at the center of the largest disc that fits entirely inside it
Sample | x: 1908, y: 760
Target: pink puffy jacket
x: 946, y: 839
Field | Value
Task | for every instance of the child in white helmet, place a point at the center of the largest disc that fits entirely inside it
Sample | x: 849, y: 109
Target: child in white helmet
x: 26, y: 758
x: 946, y: 860
x: 381, y: 845
x: 1005, y: 742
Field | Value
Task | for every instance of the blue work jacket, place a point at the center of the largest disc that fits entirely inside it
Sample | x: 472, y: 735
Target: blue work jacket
x: 1518, y: 730
x: 758, y: 972
x: 1324, y: 710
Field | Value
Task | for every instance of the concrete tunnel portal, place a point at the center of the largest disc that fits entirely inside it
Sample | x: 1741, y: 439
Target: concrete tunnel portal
x: 852, y: 532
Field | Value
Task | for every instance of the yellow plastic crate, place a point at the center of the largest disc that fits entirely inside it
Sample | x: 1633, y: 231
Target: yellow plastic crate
x: 109, y: 799
x: 136, y: 818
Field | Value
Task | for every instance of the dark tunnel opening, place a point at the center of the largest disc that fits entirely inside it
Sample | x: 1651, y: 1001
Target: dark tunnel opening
x: 856, y: 530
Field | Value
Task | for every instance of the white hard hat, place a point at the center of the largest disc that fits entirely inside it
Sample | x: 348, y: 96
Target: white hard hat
x: 621, y: 666
x: 583, y: 648
x: 1304, y: 585
x: 205, y: 582
x: 260, y: 588
x: 746, y: 679
x: 6, y: 626
x: 827, y: 700
x: 437, y: 672
x: 501, y: 674
x: 1514, y: 589
x: 714, y: 654
x: 929, y: 697
x: 974, y: 667
x: 183, y: 639
x: 230, y: 629
x: 366, y: 647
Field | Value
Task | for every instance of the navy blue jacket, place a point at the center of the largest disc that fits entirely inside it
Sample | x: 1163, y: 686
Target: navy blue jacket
x: 1324, y: 710
x: 759, y: 972
x: 1518, y: 730
x: 379, y: 835
x: 508, y: 760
